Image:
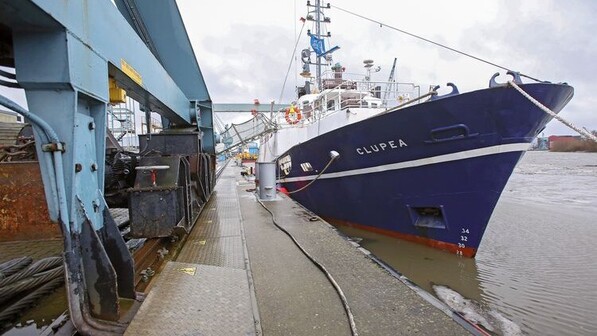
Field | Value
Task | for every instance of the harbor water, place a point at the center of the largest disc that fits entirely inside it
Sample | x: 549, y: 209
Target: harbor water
x: 534, y: 273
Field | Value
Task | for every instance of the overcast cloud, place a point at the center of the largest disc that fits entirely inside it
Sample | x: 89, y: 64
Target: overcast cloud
x: 244, y: 47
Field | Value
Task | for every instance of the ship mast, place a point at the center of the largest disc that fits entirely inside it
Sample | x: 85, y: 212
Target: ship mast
x: 318, y: 33
x: 317, y: 42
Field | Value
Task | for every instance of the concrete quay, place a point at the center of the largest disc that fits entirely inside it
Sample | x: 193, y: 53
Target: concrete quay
x: 238, y: 274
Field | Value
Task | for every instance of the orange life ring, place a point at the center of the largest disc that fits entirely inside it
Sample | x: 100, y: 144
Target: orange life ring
x: 293, y: 115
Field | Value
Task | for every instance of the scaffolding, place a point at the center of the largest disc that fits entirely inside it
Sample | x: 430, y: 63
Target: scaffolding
x: 121, y: 122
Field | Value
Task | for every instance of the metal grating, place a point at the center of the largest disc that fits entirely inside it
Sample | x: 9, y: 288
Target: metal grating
x: 216, y: 228
x: 221, y: 251
x: 206, y: 290
x: 216, y: 238
x: 195, y: 299
x: 120, y: 215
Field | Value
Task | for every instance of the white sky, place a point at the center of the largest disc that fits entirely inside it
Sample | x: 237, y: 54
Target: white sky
x: 244, y: 47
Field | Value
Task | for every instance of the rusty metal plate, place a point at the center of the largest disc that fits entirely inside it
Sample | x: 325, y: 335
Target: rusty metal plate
x: 23, y: 209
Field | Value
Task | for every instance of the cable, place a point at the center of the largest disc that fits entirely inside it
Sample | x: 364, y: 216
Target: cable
x: 10, y: 84
x: 353, y: 327
x: 13, y: 266
x: 11, y: 290
x: 315, y: 179
x: 38, y: 266
x: 381, y: 24
x: 291, y: 60
x: 8, y: 74
x: 14, y: 310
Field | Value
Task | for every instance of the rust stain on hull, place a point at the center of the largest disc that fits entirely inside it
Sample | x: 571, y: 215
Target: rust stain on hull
x: 23, y: 209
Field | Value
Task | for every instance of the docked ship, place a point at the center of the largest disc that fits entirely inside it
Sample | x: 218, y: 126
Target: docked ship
x: 426, y: 168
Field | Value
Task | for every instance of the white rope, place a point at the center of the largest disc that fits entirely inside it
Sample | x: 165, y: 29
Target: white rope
x: 551, y: 113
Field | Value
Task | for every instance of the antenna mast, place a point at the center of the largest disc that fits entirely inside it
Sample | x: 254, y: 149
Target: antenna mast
x: 317, y: 42
x: 318, y: 33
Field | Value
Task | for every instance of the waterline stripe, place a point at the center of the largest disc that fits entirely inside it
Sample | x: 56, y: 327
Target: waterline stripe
x: 473, y: 153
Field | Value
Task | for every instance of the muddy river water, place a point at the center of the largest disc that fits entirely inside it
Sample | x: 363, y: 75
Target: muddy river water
x: 536, y: 271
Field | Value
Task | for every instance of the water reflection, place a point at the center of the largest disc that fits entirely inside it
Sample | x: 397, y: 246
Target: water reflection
x: 534, y: 272
x: 454, y: 280
x: 423, y: 265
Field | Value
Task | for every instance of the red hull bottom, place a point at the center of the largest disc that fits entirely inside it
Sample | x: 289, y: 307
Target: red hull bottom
x: 468, y: 252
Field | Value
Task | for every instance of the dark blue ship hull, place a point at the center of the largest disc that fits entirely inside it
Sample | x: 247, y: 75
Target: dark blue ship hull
x: 430, y: 173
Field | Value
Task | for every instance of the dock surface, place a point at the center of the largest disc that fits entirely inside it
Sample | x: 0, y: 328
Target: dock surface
x: 238, y: 274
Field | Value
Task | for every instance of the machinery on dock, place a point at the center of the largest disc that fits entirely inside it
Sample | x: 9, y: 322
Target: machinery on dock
x: 73, y: 59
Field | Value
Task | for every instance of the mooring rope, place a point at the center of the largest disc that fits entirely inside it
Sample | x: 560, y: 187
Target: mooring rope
x: 36, y: 280
x: 551, y: 113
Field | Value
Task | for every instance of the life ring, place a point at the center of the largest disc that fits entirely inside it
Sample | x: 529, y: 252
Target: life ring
x: 293, y: 115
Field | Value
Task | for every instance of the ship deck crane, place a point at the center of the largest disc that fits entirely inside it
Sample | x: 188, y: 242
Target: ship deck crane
x: 72, y: 57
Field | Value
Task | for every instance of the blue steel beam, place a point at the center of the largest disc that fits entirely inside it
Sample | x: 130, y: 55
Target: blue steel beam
x: 99, y: 28
x: 160, y: 26
x: 64, y: 52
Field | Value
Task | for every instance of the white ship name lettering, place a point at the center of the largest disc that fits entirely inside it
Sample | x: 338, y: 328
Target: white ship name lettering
x: 380, y: 147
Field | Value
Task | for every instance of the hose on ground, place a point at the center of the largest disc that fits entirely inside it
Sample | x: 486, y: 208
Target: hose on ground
x: 38, y: 266
x: 353, y: 327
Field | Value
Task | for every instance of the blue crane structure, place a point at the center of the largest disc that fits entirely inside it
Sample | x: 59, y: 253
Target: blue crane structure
x: 69, y: 57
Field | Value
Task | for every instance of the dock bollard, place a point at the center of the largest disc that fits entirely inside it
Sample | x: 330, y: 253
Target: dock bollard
x: 266, y: 180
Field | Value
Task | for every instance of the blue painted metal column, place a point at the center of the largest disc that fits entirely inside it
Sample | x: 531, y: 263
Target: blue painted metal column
x: 99, y: 266
x: 64, y: 53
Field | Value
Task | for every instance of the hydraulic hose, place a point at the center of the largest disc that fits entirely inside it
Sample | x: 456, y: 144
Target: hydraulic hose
x: 353, y: 327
